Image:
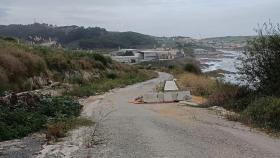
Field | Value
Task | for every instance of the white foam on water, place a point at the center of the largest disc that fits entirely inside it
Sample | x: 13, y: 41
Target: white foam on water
x: 229, y: 62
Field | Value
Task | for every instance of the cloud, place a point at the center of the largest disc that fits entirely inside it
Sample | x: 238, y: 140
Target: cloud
x: 198, y: 18
x: 3, y: 12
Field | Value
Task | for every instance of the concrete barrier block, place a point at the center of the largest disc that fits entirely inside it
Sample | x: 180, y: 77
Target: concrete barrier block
x: 184, y: 95
x: 151, y: 98
x: 170, y: 96
x: 161, y: 97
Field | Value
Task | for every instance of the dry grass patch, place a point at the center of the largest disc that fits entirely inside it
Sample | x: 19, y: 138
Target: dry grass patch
x: 199, y: 85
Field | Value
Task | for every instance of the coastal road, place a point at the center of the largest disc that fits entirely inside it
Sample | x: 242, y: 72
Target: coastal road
x: 165, y: 130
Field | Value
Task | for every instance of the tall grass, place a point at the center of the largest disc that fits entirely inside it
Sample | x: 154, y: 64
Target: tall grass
x: 108, y: 83
x: 198, y: 84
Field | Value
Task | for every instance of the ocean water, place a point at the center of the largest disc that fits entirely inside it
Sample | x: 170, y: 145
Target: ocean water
x: 227, y: 61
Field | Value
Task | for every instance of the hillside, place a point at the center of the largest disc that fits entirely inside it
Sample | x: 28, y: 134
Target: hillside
x: 39, y: 86
x: 77, y: 37
x: 24, y: 67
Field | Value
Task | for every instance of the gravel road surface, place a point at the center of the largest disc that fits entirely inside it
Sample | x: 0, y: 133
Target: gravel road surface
x: 170, y: 130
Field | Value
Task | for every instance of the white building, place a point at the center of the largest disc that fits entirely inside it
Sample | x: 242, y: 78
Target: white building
x: 136, y: 56
x: 127, y: 56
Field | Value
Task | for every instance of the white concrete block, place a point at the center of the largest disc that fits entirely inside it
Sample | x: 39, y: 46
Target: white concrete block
x: 170, y: 96
x: 184, y: 95
x: 150, y: 98
x: 161, y: 97
x: 170, y: 86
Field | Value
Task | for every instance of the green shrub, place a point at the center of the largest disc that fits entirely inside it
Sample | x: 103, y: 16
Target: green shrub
x: 10, y: 39
x: 52, y: 106
x: 99, y: 65
x: 77, y: 79
x: 21, y: 119
x: 58, y: 62
x: 100, y: 57
x: 192, y: 68
x: 264, y: 112
x: 261, y: 60
x: 82, y: 90
x: 112, y: 75
x: 171, y: 66
x: 229, y: 96
x: 18, y: 123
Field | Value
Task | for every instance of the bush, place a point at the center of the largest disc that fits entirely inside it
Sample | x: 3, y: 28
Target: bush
x: 264, y: 112
x: 59, y: 62
x: 112, y: 75
x: 82, y: 90
x: 101, y: 58
x: 18, y: 123
x: 53, y: 106
x: 13, y: 66
x: 23, y: 118
x: 171, y: 66
x: 229, y: 96
x: 10, y: 39
x: 261, y: 62
x: 192, y: 68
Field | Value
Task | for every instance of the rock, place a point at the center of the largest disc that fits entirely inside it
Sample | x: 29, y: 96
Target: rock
x: 224, y: 113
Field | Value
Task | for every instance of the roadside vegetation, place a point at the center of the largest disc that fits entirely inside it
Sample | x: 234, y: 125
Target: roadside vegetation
x: 26, y: 68
x: 33, y: 113
x: 256, y: 104
x: 176, y: 66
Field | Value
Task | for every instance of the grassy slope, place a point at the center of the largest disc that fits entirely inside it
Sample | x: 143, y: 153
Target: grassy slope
x: 20, y: 64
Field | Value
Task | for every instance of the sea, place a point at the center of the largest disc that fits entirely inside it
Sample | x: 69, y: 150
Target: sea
x: 226, y: 60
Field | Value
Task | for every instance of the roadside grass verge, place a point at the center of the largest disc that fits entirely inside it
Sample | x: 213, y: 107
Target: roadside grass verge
x: 263, y: 112
x: 199, y: 85
x: 253, y: 109
x: 108, y: 83
x: 59, y: 126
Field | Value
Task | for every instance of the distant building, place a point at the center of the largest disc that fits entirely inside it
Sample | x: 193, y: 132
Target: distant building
x: 127, y: 56
x: 136, y: 56
x: 150, y: 55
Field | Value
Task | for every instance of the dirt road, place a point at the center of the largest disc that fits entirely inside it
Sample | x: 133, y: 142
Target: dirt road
x: 170, y: 130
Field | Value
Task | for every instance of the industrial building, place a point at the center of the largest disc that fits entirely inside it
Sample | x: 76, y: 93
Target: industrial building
x: 135, y: 56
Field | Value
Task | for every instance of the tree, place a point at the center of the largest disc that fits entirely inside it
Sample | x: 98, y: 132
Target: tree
x: 260, y: 65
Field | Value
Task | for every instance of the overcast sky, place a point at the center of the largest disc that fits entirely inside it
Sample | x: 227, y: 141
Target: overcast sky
x: 194, y: 18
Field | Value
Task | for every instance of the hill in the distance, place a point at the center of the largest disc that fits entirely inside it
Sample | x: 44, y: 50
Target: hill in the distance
x: 77, y: 37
